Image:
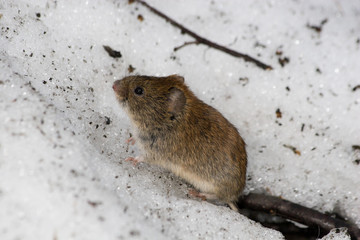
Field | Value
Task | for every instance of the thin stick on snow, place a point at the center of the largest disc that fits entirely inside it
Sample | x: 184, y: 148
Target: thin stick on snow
x: 201, y: 40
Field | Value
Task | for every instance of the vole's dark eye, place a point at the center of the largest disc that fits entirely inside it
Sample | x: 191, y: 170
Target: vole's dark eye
x: 139, y: 91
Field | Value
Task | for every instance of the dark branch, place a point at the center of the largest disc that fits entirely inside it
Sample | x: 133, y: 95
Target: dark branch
x: 202, y: 40
x: 356, y: 87
x: 185, y: 44
x: 290, y: 230
x: 296, y: 212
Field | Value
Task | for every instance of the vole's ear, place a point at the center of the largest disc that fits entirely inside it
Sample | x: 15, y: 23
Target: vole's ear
x: 176, y: 101
x: 177, y: 78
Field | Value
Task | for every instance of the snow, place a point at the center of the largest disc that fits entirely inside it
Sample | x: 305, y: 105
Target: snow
x: 338, y: 234
x: 62, y: 141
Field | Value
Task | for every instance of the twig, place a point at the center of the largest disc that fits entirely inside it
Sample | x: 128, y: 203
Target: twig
x: 288, y: 228
x: 319, y: 27
x: 185, y: 44
x: 296, y: 213
x: 356, y: 87
x: 202, y: 40
x: 297, y: 152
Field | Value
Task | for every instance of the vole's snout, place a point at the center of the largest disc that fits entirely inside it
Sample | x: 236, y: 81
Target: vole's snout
x: 116, y: 85
x: 119, y: 90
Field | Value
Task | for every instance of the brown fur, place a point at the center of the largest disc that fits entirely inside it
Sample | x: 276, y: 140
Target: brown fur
x: 179, y: 132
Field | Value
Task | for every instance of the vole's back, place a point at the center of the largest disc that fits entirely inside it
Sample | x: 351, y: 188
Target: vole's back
x: 209, y: 152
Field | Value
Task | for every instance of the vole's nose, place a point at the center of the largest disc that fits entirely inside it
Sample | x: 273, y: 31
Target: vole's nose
x: 116, y: 85
x: 120, y: 90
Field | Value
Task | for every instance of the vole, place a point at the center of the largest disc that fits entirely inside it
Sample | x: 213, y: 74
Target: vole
x: 181, y: 133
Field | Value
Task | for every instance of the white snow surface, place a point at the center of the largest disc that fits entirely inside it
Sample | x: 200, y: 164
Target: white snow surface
x: 62, y: 133
x: 338, y: 234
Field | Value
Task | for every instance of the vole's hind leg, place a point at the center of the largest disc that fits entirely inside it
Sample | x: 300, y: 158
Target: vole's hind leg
x: 210, y: 196
x: 202, y: 196
x: 135, y: 160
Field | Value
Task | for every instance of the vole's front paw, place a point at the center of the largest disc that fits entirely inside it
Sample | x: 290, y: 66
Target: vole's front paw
x: 130, y: 140
x: 135, y: 160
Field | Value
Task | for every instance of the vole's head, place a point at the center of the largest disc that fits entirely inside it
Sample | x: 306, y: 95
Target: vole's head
x: 152, y: 101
